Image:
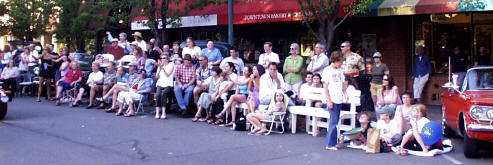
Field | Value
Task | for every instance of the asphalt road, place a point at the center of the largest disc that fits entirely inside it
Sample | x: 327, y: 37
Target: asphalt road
x: 42, y: 133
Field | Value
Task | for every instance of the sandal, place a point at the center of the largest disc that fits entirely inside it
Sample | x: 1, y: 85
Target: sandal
x: 118, y: 113
x: 210, y: 121
x: 331, y: 148
x: 110, y: 109
x: 204, y: 119
x: 229, y: 124
x: 220, y: 115
x: 100, y: 99
x: 218, y: 121
x: 38, y: 100
x: 57, y: 103
x: 101, y: 106
x: 129, y: 114
x: 195, y: 119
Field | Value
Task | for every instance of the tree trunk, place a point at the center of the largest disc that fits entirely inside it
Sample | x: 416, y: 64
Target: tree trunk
x: 330, y: 36
x: 164, y: 17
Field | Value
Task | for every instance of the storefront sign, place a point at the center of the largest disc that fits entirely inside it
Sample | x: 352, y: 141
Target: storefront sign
x: 268, y: 17
x: 187, y: 21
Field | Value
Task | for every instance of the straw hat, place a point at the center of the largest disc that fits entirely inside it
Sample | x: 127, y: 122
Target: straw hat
x: 138, y: 34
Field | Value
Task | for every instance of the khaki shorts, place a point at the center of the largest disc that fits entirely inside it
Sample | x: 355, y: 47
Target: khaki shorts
x: 375, y: 88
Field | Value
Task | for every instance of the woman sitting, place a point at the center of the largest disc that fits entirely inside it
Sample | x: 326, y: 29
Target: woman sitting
x: 139, y: 90
x: 205, y: 99
x: 278, y: 103
x: 388, y: 96
x: 220, y: 96
x: 253, y: 86
x: 403, y: 112
x: 123, y: 84
x: 239, y: 97
x: 9, y: 76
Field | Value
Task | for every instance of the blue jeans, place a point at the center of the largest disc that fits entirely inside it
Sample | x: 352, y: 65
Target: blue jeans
x: 183, y: 100
x: 333, y: 121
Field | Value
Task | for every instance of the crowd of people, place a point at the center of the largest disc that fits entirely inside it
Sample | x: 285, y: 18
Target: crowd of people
x: 202, y: 78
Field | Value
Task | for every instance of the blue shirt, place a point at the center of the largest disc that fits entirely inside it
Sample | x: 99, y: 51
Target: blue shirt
x: 212, y: 56
x: 422, y: 66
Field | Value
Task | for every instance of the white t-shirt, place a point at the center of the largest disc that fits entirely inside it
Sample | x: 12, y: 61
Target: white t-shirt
x: 195, y: 52
x: 142, y: 44
x: 32, y: 61
x: 239, y: 65
x: 24, y: 62
x: 6, y: 57
x: 388, y: 129
x: 420, y: 123
x: 268, y: 86
x: 304, y: 90
x: 223, y: 85
x: 94, y: 77
x: 267, y: 58
x: 334, y: 78
x: 166, y: 81
x: 233, y: 77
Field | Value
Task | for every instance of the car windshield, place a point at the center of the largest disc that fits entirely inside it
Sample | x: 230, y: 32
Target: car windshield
x: 480, y: 79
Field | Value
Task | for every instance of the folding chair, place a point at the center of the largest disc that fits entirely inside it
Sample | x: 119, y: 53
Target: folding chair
x: 243, y: 107
x: 68, y: 96
x: 278, y: 118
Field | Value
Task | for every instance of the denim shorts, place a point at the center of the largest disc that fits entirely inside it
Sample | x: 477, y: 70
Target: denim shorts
x: 64, y: 85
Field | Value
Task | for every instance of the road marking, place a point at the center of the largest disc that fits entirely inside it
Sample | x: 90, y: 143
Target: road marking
x: 453, y: 160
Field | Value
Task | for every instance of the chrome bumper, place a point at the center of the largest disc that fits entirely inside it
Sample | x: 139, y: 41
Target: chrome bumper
x: 480, y: 127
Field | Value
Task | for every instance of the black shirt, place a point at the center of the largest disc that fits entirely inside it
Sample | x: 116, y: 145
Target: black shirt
x: 482, y: 59
x: 459, y: 63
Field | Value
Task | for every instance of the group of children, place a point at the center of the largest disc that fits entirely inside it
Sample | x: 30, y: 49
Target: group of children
x: 405, y: 134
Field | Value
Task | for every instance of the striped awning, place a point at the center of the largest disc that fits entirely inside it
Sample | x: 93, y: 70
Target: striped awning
x: 411, y: 7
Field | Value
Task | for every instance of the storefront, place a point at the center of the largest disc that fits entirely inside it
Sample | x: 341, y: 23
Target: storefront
x: 392, y: 27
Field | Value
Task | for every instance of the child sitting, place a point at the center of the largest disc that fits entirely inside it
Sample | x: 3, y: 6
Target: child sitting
x: 390, y: 134
x: 278, y: 103
x: 364, y: 121
x: 412, y: 139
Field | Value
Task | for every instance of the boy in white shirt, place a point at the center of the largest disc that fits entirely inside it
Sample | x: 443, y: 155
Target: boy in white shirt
x: 390, y: 134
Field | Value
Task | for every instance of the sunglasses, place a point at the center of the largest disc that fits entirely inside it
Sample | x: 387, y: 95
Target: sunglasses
x: 386, y: 79
x: 343, y: 46
x: 292, y: 48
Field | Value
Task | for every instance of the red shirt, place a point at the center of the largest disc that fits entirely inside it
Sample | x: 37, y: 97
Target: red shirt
x: 117, y: 51
x: 71, y: 76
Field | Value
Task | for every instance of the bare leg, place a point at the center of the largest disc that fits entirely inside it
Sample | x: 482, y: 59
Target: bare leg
x: 48, y: 88
x: 196, y: 92
x: 158, y: 110
x: 92, y: 93
x: 115, y: 96
x: 40, y: 86
x: 79, y: 95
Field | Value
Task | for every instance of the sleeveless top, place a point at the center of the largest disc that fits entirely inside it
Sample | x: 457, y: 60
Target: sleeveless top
x: 243, y: 89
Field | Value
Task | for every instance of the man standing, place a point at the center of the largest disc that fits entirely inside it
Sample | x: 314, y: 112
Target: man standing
x: 185, y: 78
x: 212, y: 53
x: 459, y: 64
x: 377, y: 72
x: 201, y: 74
x: 353, y: 63
x: 421, y: 72
x: 115, y: 50
x: 318, y: 59
x: 334, y: 77
x: 482, y: 58
x: 270, y: 82
x: 122, y: 42
x: 239, y: 65
x: 266, y: 58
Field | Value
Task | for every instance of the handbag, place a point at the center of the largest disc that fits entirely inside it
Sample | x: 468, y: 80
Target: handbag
x: 373, y: 141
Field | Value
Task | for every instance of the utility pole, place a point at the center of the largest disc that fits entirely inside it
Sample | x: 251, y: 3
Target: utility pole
x: 230, y: 22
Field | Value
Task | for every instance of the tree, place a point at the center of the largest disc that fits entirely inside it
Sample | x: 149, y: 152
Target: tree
x: 160, y: 14
x: 28, y: 19
x: 80, y: 21
x: 324, y: 12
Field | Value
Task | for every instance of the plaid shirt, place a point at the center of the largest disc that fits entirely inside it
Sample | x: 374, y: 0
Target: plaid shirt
x: 109, y: 78
x: 185, y: 74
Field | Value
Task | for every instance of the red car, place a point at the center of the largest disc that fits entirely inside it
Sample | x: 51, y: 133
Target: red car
x: 468, y: 110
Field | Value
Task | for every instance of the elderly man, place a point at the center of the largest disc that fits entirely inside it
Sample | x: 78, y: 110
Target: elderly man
x: 122, y: 42
x: 353, y: 63
x: 318, y: 60
x: 185, y: 78
x: 212, y: 53
x: 201, y: 74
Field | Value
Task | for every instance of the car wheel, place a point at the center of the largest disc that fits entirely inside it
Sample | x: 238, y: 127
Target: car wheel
x: 471, y: 146
x: 3, y: 110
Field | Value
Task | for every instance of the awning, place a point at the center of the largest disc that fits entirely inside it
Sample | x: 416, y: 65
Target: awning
x: 257, y: 11
x: 411, y: 7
